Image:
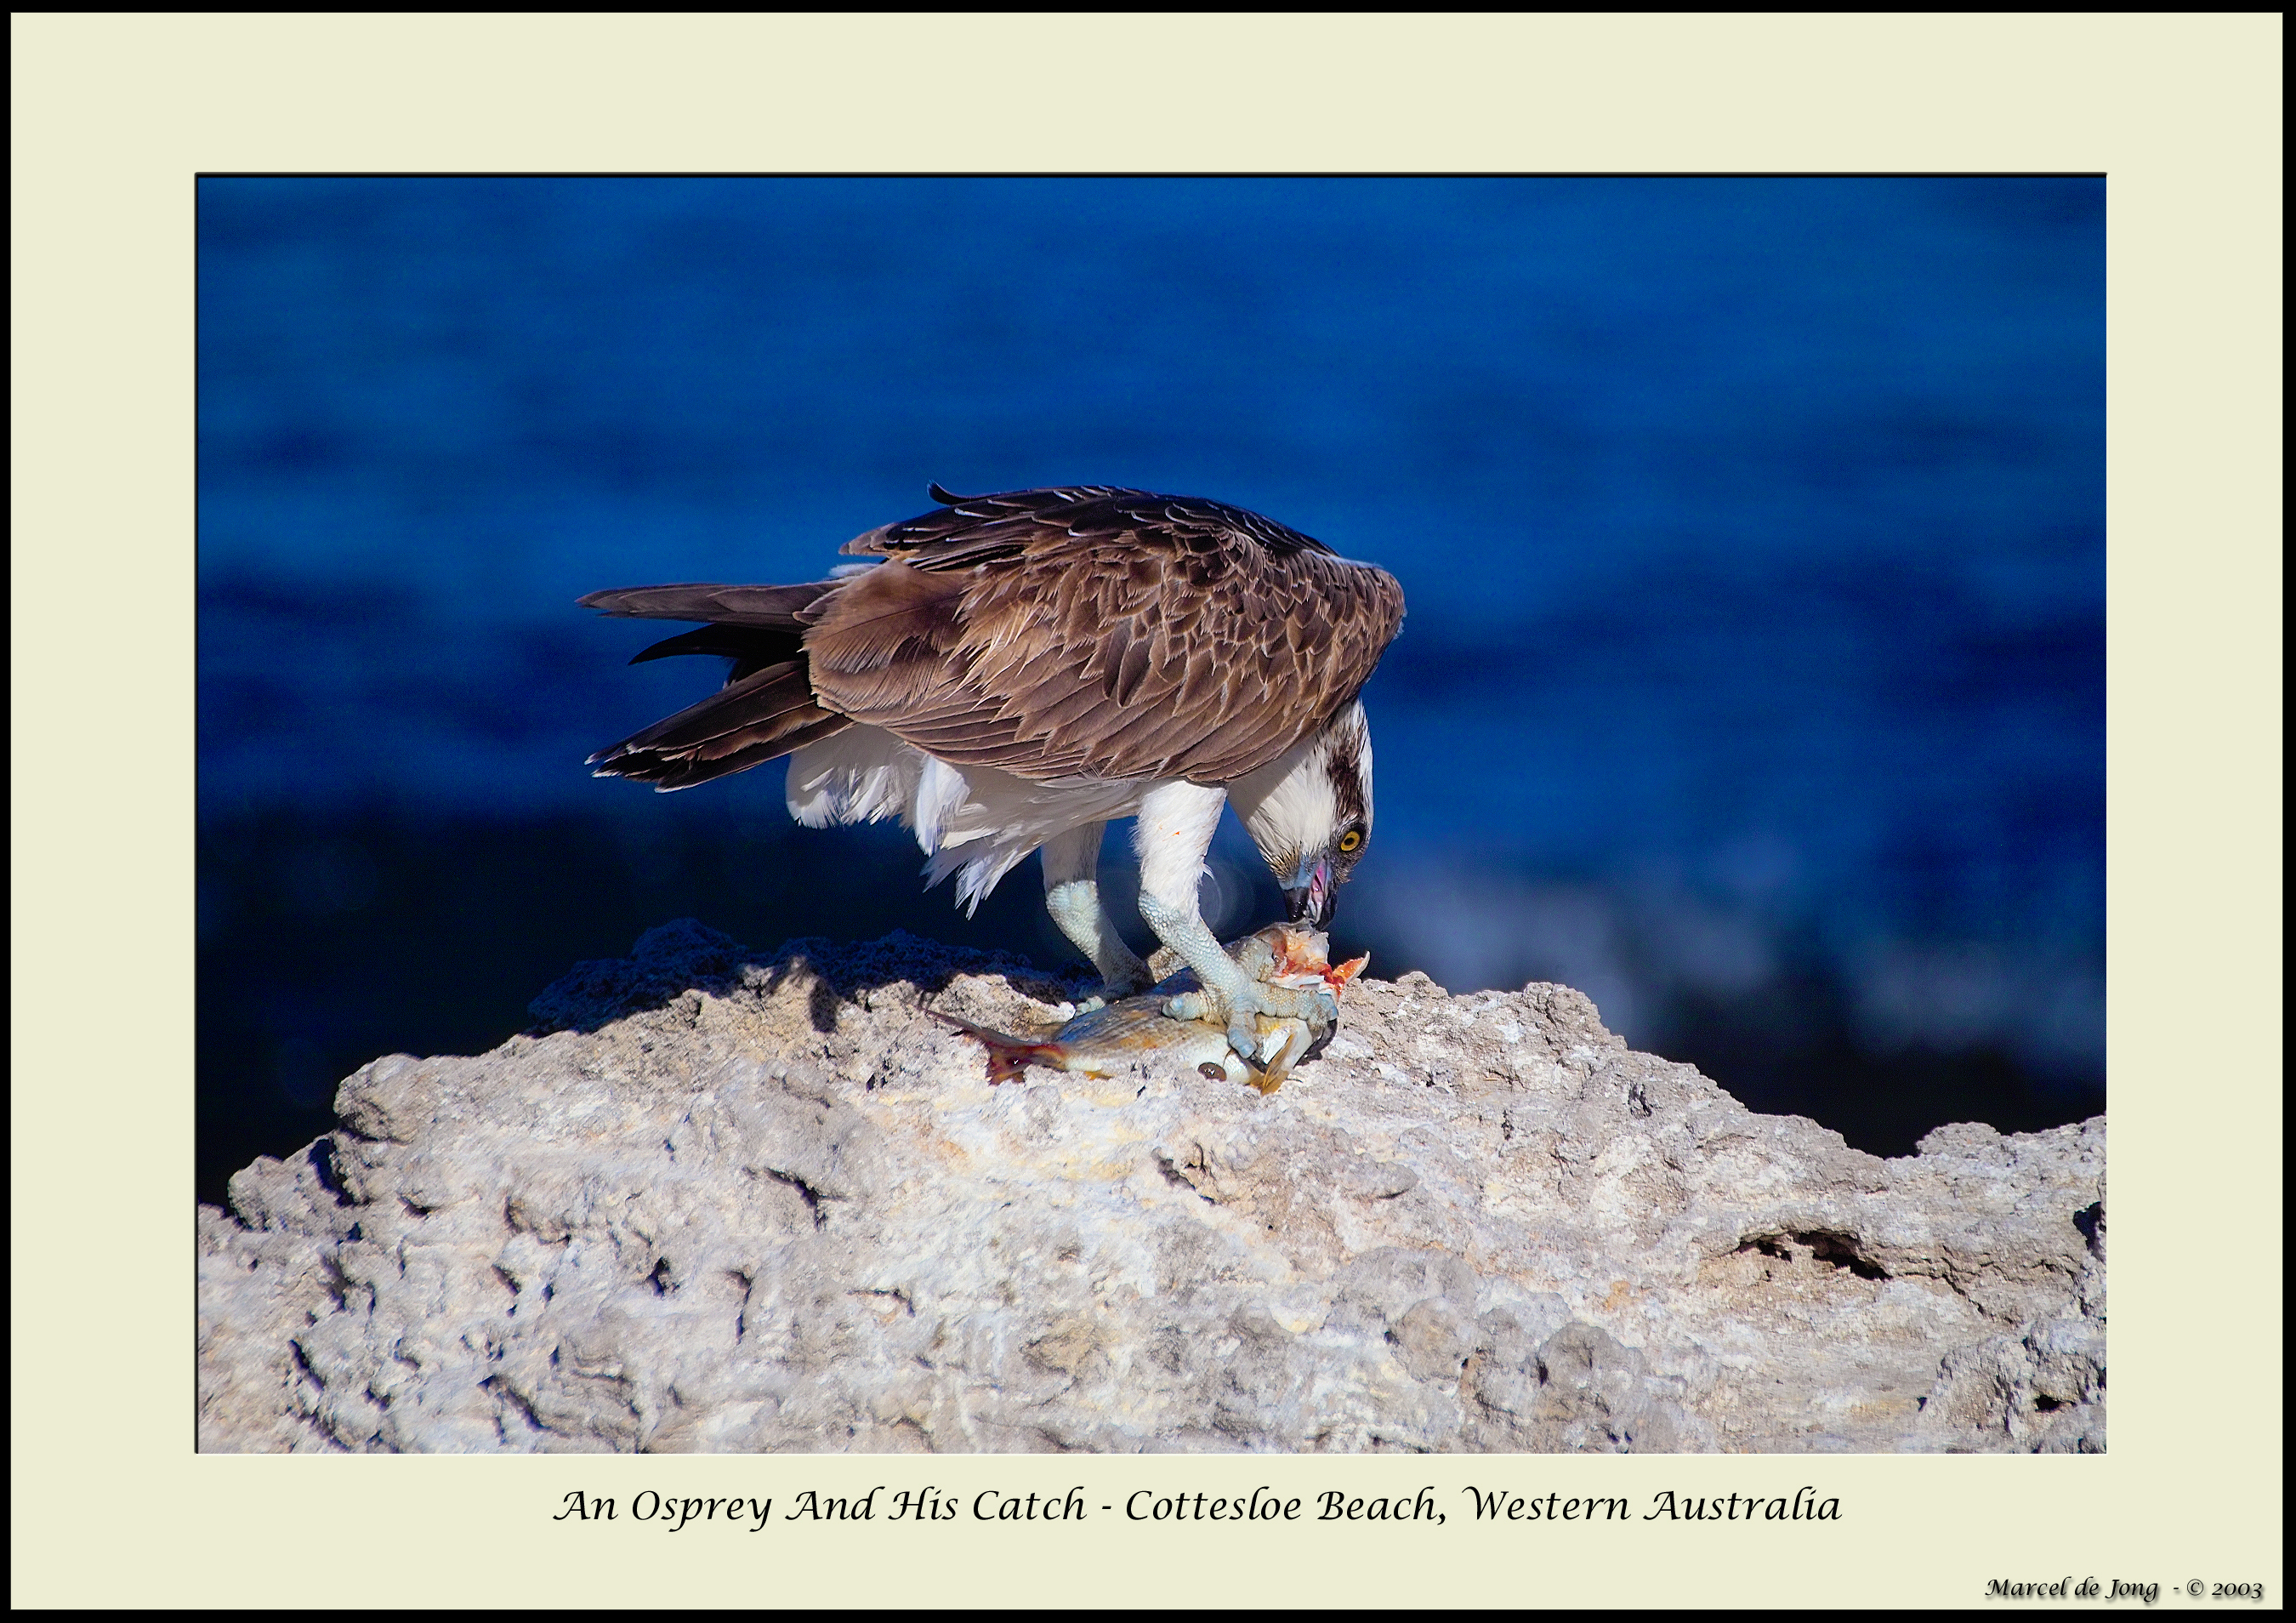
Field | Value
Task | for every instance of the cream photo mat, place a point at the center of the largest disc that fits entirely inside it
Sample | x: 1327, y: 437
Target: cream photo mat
x: 114, y: 116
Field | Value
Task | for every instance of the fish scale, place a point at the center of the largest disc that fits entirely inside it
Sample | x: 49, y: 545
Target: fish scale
x: 1107, y: 1040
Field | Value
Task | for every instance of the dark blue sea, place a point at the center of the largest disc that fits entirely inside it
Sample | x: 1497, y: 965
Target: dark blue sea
x: 1752, y: 533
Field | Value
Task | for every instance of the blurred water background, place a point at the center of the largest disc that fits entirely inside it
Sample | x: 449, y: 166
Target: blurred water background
x: 1752, y: 530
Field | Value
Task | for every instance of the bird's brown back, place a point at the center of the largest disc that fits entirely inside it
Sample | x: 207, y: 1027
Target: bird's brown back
x: 1099, y: 632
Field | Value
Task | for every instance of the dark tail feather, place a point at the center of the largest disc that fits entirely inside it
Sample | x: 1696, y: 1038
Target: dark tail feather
x: 1008, y: 1056
x: 779, y: 608
x: 752, y: 719
x: 751, y: 649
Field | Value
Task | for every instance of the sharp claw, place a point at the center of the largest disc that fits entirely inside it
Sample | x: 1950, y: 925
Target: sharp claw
x: 1243, y: 998
x: 1188, y: 1006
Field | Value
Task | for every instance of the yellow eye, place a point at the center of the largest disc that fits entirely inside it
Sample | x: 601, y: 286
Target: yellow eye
x: 1350, y: 842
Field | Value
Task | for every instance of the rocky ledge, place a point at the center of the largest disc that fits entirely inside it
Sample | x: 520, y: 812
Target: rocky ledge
x: 721, y: 1202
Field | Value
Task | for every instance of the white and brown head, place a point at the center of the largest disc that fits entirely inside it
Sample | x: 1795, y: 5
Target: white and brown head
x: 1310, y: 813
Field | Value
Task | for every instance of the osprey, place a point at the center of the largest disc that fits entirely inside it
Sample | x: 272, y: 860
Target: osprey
x: 1022, y: 667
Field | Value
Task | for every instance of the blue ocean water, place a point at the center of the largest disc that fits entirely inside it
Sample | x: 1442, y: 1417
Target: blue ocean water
x: 1752, y: 530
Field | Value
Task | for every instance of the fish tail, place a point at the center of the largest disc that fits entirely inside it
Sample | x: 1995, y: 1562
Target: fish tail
x: 1008, y: 1056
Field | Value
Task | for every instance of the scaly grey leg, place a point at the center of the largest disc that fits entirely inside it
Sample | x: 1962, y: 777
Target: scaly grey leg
x: 1173, y: 832
x: 1073, y: 897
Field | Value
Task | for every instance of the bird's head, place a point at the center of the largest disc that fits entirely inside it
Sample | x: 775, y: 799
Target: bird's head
x: 1310, y: 813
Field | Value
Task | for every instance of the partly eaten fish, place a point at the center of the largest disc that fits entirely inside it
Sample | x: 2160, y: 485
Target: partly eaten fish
x: 1106, y: 1041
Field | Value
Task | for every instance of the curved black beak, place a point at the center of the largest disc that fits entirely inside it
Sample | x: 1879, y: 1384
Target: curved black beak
x: 1309, y: 897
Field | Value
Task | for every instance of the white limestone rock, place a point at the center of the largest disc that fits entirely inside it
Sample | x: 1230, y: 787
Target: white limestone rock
x: 719, y: 1203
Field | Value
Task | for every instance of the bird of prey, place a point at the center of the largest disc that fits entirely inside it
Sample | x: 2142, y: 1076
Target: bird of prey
x: 1020, y: 668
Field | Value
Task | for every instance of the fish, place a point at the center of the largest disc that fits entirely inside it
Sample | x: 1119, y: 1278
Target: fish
x: 1106, y: 1041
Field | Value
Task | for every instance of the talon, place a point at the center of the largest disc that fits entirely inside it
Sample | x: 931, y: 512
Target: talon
x: 1189, y: 1006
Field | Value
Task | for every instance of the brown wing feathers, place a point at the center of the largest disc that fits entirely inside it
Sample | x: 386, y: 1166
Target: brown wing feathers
x: 780, y: 607
x: 1109, y: 632
x: 1085, y: 632
x: 750, y: 721
x: 766, y: 707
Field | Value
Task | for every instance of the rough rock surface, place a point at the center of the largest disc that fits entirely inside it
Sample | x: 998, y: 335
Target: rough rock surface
x: 713, y: 1203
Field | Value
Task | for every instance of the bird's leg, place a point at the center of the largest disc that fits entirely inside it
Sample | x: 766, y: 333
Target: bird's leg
x: 1073, y: 897
x: 1173, y: 832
